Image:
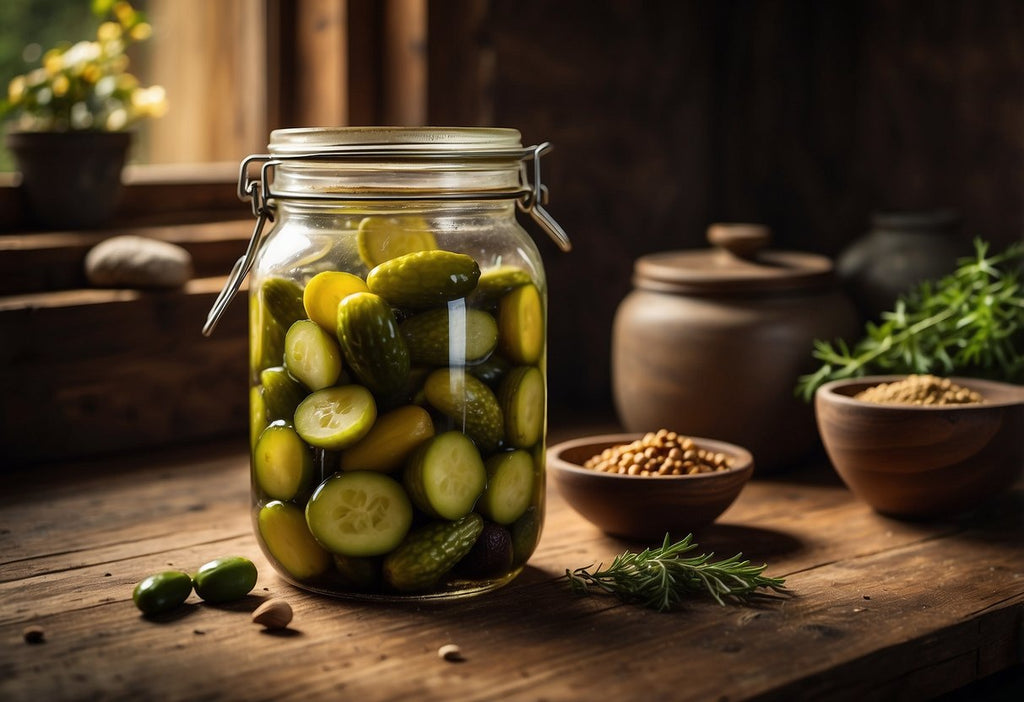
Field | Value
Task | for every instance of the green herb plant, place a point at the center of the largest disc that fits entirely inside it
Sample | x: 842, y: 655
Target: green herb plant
x: 970, y: 323
x: 661, y: 578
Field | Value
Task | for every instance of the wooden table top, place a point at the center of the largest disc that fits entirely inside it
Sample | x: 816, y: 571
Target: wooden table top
x: 879, y: 608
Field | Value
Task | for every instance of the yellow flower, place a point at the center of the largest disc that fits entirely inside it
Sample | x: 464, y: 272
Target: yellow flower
x: 117, y: 119
x: 151, y: 101
x: 53, y: 61
x: 125, y: 13
x: 141, y: 32
x: 108, y: 31
x: 16, y: 89
x: 91, y: 73
x: 60, y: 85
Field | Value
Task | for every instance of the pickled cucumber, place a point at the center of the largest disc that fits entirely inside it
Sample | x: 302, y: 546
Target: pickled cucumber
x: 526, y: 535
x: 359, y: 573
x: 359, y: 514
x: 381, y: 239
x: 281, y: 393
x: 521, y: 325
x: 424, y: 279
x: 282, y: 463
x: 337, y: 417
x: 276, y: 304
x: 510, y: 478
x: 323, y: 293
x: 494, y: 283
x: 371, y: 343
x: 444, y: 336
x: 311, y: 355
x: 521, y: 396
x: 289, y: 542
x: 393, y: 437
x: 491, y: 370
x: 470, y: 404
x: 445, y: 476
x: 430, y: 552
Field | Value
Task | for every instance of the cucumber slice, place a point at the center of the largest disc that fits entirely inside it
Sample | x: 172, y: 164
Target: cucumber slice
x: 312, y: 355
x: 521, y: 395
x: 446, y: 476
x: 282, y: 463
x: 359, y: 514
x: 337, y: 417
x: 257, y: 414
x: 381, y: 239
x: 393, y: 437
x: 521, y: 325
x: 509, y: 490
x: 288, y: 541
x: 323, y: 293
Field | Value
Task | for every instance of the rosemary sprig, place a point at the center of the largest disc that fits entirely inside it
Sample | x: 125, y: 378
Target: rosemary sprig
x: 660, y: 578
x: 969, y: 323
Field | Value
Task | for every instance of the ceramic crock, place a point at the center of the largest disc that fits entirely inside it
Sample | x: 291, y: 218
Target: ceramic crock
x: 711, y: 342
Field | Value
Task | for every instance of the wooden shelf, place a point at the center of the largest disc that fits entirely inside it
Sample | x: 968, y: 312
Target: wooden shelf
x: 89, y: 371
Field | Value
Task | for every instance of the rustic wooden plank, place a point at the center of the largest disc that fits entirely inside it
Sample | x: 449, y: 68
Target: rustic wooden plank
x: 879, y: 607
x: 94, y: 371
x: 47, y: 261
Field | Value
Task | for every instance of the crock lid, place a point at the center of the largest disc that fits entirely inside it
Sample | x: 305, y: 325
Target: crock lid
x: 739, y: 262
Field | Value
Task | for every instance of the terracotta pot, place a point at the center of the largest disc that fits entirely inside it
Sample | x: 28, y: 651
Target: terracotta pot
x: 711, y: 343
x: 72, y: 179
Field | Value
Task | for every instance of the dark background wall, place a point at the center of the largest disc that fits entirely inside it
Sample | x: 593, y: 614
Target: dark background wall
x: 669, y: 115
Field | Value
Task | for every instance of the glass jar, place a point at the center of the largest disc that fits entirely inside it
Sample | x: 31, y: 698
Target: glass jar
x: 398, y: 376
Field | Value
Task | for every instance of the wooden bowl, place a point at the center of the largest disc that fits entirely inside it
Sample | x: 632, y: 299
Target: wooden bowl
x: 645, y: 507
x: 923, y: 461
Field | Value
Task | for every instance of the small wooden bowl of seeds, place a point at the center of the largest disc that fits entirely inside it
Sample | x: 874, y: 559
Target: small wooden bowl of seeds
x: 919, y: 446
x: 640, y: 486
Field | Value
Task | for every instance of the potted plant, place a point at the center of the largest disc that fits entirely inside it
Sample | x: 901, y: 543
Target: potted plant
x: 69, y: 120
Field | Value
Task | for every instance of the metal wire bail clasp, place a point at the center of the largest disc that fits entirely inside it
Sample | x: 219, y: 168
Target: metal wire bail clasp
x: 255, y: 191
x: 533, y: 204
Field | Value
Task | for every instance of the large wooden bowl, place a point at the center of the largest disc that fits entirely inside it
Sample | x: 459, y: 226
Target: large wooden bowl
x: 923, y: 461
x: 646, y: 507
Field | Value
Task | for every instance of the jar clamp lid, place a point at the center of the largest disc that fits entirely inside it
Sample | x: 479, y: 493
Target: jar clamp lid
x: 385, y: 145
x: 739, y: 263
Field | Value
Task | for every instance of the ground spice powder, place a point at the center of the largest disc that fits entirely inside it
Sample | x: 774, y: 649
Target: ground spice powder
x: 920, y: 390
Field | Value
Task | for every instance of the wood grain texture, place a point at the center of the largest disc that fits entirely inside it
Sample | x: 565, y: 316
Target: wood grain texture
x: 668, y: 116
x: 879, y: 608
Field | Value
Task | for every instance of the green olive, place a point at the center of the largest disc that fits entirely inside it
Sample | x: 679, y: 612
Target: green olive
x: 162, y: 592
x: 225, y: 579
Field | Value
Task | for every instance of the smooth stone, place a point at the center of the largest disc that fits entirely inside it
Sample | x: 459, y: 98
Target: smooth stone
x: 137, y: 261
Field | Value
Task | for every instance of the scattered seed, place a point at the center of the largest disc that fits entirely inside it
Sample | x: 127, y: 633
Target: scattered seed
x: 658, y: 453
x: 450, y: 653
x: 33, y: 634
x: 920, y: 390
x: 273, y: 614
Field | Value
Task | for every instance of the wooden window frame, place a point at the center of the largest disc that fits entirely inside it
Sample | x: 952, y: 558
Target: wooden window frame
x: 380, y: 78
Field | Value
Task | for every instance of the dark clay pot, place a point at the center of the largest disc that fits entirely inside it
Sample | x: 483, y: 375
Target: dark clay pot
x: 711, y: 343
x: 72, y: 180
